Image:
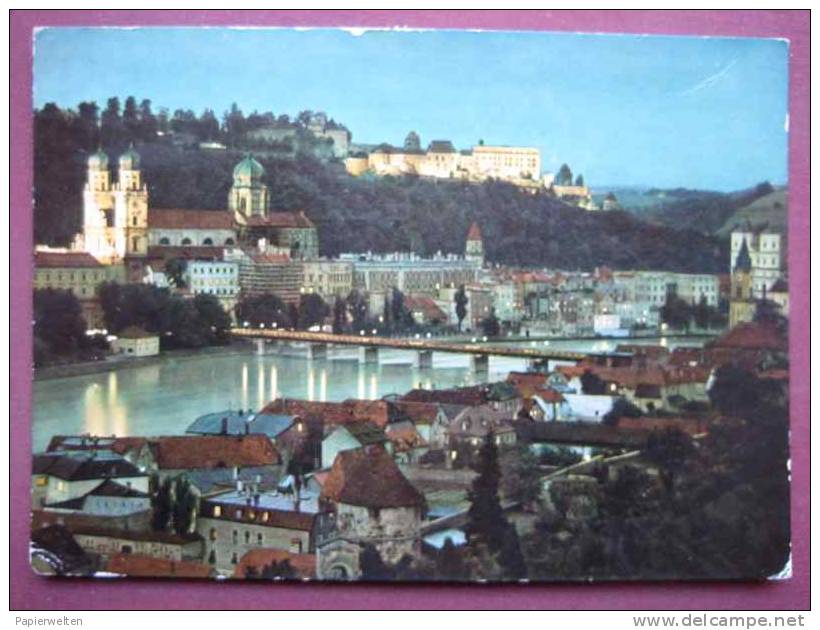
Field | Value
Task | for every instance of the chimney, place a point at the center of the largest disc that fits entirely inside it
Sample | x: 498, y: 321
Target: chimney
x: 236, y: 473
x: 239, y: 486
x: 224, y: 426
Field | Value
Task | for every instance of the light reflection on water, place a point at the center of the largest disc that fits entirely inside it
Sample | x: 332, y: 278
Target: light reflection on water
x: 164, y: 398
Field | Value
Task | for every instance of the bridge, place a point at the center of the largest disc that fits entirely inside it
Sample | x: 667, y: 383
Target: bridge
x: 369, y: 347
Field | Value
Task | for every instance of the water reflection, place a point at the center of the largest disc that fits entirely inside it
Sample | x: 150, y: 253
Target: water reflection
x: 165, y: 398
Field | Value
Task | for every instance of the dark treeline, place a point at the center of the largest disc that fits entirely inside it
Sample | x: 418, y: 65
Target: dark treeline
x: 355, y: 214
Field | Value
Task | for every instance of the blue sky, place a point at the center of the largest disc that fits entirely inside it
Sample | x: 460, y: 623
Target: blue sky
x: 622, y: 110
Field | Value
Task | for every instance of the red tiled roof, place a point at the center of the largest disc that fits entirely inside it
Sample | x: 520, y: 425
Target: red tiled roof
x: 426, y: 305
x: 163, y: 253
x: 474, y: 234
x: 418, y: 412
x: 190, y: 219
x: 550, y: 395
x: 752, y: 335
x: 404, y: 436
x: 281, y: 220
x: 138, y: 565
x: 213, y: 451
x: 369, y: 477
x: 333, y: 413
x: 58, y: 260
x: 303, y: 563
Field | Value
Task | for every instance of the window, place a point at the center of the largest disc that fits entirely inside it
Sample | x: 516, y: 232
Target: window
x: 41, y: 481
x: 247, y: 537
x: 135, y: 221
x: 164, y: 241
x: 228, y: 241
x: 234, y: 559
x: 234, y: 537
x: 186, y: 241
x: 207, y: 241
x: 259, y: 539
x: 217, y: 510
x: 212, y: 533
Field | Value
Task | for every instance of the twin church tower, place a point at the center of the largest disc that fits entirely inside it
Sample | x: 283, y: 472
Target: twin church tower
x: 116, y: 221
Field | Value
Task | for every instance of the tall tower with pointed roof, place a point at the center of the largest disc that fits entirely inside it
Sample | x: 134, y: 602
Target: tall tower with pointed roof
x: 741, y: 302
x: 474, y: 249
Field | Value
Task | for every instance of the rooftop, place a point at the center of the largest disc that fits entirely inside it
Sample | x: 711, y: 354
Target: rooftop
x: 176, y: 219
x: 62, y: 260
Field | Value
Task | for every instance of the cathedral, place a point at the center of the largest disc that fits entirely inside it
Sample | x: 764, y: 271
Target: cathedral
x: 119, y: 226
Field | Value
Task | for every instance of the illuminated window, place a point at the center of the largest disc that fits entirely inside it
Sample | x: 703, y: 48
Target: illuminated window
x: 217, y: 510
x: 41, y: 481
x: 265, y: 516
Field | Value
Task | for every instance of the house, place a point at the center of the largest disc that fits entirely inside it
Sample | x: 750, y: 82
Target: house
x: 588, y: 407
x: 424, y: 310
x: 238, y: 423
x: 107, y: 543
x: 244, y: 518
x: 136, y: 342
x: 580, y: 437
x: 407, y: 444
x: 551, y: 405
x: 351, y: 436
x: 60, y: 476
x: 367, y: 500
x: 109, y: 498
x: 468, y: 430
x: 255, y: 561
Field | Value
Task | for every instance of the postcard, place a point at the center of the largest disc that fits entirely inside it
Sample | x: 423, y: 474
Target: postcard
x: 409, y: 305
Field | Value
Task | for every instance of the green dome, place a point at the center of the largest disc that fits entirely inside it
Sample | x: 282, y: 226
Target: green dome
x: 130, y: 160
x: 98, y: 161
x: 248, y: 168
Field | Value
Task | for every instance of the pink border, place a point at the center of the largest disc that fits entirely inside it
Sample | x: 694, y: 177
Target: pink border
x: 31, y: 592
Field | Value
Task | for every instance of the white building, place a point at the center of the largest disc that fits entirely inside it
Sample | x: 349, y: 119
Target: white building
x: 214, y: 277
x: 136, y: 342
x: 409, y: 272
x: 768, y: 253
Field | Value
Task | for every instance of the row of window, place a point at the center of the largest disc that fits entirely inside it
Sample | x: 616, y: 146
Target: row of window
x: 187, y: 241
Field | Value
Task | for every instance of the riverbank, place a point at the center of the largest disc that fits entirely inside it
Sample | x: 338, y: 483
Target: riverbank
x: 124, y: 363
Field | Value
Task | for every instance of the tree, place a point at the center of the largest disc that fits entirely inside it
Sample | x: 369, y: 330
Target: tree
x: 520, y: 477
x: 131, y: 119
x: 148, y: 122
x: 184, y: 507
x: 112, y: 132
x: 162, y: 504
x: 564, y: 176
x: 357, y: 305
x: 620, y: 408
x: 58, y: 321
x: 461, y: 305
x: 175, y: 269
x: 510, y: 557
x: 486, y: 522
x: 267, y: 309
x: 372, y: 567
x: 676, y: 312
x: 215, y: 322
x: 312, y: 311
x: 592, y: 384
x: 339, y: 316
x: 491, y: 325
x: 450, y: 564
x: 669, y: 450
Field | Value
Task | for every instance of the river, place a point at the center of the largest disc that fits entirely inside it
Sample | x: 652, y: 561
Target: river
x: 163, y: 398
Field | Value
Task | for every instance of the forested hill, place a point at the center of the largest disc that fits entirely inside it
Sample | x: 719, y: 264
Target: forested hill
x: 380, y: 214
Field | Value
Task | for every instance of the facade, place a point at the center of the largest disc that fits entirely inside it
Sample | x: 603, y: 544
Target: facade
x: 243, y: 519
x: 409, y: 272
x: 214, y: 277
x: 767, y: 253
x: 108, y: 543
x: 354, y: 515
x: 190, y: 228
x: 61, y: 476
x: 351, y: 436
x: 518, y: 165
x: 115, y: 214
x: 262, y: 272
x: 77, y: 272
x: 328, y: 278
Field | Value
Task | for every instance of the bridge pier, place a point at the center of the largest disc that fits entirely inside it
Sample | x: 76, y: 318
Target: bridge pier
x: 368, y: 355
x: 480, y: 363
x: 423, y: 360
x: 317, y: 351
x: 260, y: 346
